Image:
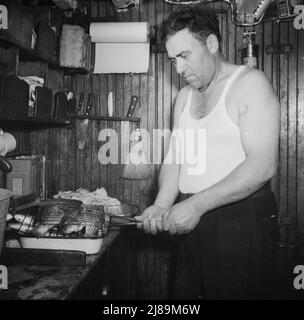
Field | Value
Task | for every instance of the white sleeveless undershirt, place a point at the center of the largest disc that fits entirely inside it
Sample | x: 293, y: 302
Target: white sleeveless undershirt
x: 210, y: 147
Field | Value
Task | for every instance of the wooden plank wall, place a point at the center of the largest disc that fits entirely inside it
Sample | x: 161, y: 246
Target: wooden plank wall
x: 71, y: 168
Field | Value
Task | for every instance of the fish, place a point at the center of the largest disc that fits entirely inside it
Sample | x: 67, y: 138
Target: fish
x: 20, y: 227
x: 91, y: 221
x: 9, y: 217
x: 24, y: 218
x: 47, y: 217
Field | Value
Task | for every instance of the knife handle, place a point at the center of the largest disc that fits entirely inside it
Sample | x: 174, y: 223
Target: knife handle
x: 89, y: 104
x: 80, y: 104
x: 132, y: 106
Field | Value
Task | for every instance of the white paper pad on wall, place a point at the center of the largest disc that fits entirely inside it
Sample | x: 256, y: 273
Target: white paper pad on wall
x: 119, y: 32
x: 121, y: 47
x: 122, y: 57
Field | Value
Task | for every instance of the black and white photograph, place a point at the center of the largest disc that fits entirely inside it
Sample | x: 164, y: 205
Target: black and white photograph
x: 151, y: 153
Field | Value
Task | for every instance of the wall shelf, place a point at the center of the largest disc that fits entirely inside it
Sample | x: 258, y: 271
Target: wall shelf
x: 106, y: 118
x: 30, y: 123
x: 32, y: 55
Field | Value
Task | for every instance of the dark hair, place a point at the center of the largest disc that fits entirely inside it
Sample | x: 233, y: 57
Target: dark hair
x: 200, y: 22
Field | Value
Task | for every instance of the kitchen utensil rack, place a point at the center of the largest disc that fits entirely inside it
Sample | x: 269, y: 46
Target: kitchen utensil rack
x: 106, y: 118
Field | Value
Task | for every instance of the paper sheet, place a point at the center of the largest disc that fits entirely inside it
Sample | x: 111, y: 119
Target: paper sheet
x: 119, y: 32
x: 122, y: 57
x: 121, y: 47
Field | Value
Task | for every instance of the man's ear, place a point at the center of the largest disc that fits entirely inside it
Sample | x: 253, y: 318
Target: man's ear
x: 212, y: 43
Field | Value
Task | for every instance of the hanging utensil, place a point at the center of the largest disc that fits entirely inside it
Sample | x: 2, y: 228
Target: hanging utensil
x: 110, y: 104
x: 132, y: 106
x: 85, y: 122
x: 80, y: 104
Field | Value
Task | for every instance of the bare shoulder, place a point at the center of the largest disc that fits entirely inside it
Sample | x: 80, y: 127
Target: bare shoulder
x: 253, y: 82
x: 254, y: 90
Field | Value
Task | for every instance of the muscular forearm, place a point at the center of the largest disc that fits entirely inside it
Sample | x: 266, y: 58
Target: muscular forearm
x: 168, y: 185
x: 247, y: 178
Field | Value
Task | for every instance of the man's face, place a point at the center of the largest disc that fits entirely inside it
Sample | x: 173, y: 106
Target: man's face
x: 192, y: 58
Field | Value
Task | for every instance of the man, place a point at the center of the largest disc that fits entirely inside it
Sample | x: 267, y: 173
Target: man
x: 227, y: 216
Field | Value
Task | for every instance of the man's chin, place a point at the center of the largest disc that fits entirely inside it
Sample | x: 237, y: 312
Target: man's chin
x: 193, y: 85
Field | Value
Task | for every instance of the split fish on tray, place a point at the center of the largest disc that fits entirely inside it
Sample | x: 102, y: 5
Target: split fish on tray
x: 24, y: 219
x: 48, y: 217
x: 20, y: 227
x: 66, y: 219
x: 92, y: 222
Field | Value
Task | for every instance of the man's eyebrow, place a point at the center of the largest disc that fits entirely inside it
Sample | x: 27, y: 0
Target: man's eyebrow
x: 178, y: 55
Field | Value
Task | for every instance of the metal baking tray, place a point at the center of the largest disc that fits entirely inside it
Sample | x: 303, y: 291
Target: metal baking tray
x: 87, y: 245
x: 56, y: 240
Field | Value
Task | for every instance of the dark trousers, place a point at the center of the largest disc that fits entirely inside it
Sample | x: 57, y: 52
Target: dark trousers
x: 231, y: 252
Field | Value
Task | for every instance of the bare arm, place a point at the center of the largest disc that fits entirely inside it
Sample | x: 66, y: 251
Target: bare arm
x: 168, y: 180
x: 259, y: 124
x: 168, y: 189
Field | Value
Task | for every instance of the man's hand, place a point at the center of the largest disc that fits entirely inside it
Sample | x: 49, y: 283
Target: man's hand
x: 151, y: 219
x: 182, y: 217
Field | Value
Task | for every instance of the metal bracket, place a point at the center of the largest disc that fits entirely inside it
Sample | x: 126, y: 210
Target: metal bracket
x: 279, y: 49
x: 284, y: 221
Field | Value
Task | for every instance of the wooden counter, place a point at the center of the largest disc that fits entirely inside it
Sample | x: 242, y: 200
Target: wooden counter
x: 33, y: 282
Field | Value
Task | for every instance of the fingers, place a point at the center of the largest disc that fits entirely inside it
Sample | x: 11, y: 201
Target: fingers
x: 140, y: 219
x: 172, y: 230
x: 159, y: 225
x: 154, y: 221
x: 146, y: 225
x: 166, y: 223
x: 153, y: 227
x: 170, y: 225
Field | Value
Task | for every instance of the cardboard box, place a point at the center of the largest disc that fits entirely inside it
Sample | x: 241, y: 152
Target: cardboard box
x: 24, y: 178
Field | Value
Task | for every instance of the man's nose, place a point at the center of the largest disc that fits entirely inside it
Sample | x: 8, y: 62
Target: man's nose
x: 180, y: 65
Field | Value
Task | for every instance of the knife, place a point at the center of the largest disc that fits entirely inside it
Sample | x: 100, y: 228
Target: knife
x: 132, y: 106
x: 83, y: 124
x: 90, y: 104
x: 80, y: 104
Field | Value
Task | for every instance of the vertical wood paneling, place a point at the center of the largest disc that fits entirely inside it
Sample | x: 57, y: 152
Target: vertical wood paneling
x: 71, y: 168
x: 259, y: 39
x: 120, y: 112
x: 283, y: 156
x: 87, y: 151
x: 71, y: 158
x: 63, y: 159
x: 147, y: 187
x: 136, y: 90
x: 127, y: 93
x: 96, y: 110
x: 292, y: 131
x: 79, y: 153
x: 231, y: 32
x: 102, y: 95
x: 267, y: 67
x: 300, y: 137
x: 224, y: 22
x: 111, y: 167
